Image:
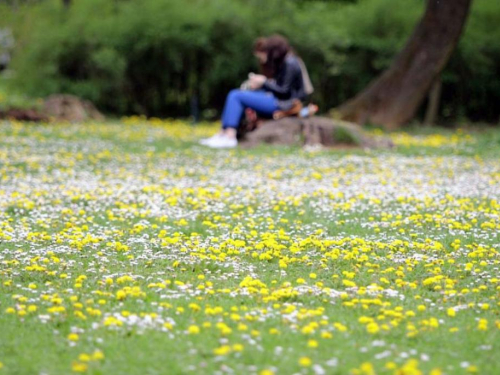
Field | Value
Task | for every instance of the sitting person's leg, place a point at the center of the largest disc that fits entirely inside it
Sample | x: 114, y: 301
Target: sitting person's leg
x: 234, y: 108
x: 237, y: 100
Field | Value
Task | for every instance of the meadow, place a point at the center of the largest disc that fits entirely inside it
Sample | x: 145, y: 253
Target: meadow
x: 127, y: 248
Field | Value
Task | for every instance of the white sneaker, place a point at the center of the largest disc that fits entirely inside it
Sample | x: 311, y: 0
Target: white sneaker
x: 206, y: 141
x: 223, y: 142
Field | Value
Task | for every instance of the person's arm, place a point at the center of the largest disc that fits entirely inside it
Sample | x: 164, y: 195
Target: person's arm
x: 283, y: 90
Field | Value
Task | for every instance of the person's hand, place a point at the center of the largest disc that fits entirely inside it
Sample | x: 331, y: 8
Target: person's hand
x: 256, y: 81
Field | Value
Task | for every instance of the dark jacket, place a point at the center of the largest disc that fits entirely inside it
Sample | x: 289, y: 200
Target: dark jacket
x: 288, y: 83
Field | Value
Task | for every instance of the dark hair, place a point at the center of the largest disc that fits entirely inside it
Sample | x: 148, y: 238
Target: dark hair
x: 260, y: 45
x: 276, y: 47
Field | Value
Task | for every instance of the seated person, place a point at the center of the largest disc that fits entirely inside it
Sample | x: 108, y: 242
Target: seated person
x: 279, y: 89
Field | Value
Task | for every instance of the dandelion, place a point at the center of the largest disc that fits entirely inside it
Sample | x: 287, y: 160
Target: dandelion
x: 79, y: 367
x: 84, y: 357
x: 482, y: 325
x: 372, y: 328
x: 97, y: 355
x: 312, y: 344
x: 390, y: 366
x: 73, y: 337
x: 223, y: 350
x: 238, y: 347
x: 326, y: 335
x: 193, y: 330
x: 305, y: 361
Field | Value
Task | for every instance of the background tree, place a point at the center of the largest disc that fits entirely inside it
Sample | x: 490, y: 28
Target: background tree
x: 155, y: 57
x: 394, y: 98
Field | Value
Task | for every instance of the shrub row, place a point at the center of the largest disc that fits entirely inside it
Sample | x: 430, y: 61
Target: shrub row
x: 162, y: 57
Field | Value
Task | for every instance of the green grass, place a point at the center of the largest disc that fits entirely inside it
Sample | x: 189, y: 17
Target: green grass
x: 128, y: 233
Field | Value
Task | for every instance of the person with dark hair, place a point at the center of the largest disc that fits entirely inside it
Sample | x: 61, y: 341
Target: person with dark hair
x: 280, y: 84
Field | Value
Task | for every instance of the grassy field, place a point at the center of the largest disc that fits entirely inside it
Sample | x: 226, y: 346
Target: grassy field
x: 126, y: 248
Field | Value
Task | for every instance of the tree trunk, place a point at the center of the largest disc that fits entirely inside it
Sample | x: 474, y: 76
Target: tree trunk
x: 393, y: 99
x: 433, y: 107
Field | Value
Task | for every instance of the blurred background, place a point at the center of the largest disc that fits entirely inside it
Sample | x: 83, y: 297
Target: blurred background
x: 179, y: 58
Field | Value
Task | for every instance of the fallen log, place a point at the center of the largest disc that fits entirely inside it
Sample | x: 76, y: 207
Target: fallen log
x: 64, y: 107
x: 314, y: 131
x: 60, y: 107
x: 18, y: 114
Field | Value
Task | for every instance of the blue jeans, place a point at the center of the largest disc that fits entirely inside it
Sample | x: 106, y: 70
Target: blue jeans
x: 260, y: 101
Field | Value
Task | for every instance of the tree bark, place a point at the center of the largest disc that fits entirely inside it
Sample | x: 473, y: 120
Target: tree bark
x: 433, y: 107
x: 393, y: 99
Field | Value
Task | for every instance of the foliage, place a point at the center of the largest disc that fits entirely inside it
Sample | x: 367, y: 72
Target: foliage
x: 11, y: 99
x: 155, y: 56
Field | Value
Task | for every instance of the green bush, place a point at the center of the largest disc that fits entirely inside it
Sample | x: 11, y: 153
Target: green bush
x: 471, y: 82
x: 154, y: 56
x: 149, y: 58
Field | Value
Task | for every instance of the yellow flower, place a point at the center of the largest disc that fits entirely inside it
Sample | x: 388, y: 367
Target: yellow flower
x: 348, y: 283
x: 97, y: 355
x: 84, y: 357
x: 482, y: 325
x: 390, y: 366
x: 193, y: 330
x: 305, y: 361
x: 372, y: 328
x: 312, y: 344
x: 79, y: 367
x: 340, y: 327
x: 266, y: 372
x: 326, y: 335
x: 194, y: 307
x: 112, y: 321
x: 223, y: 350
x: 274, y: 331
x: 367, y: 369
x: 238, y: 347
x: 73, y: 337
